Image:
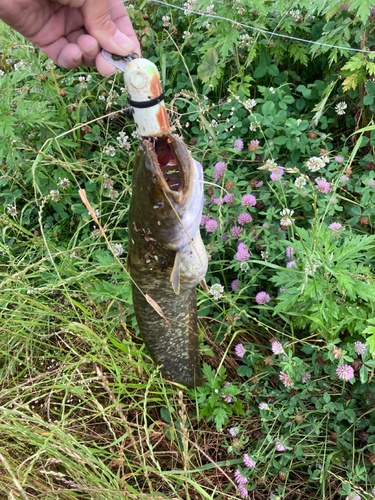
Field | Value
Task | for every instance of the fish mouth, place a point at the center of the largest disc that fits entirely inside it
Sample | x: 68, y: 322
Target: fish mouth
x: 168, y: 163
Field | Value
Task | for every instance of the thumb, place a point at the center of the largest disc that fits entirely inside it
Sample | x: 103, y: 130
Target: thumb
x: 103, y: 26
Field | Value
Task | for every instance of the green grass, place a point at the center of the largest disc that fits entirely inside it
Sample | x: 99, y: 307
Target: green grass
x: 84, y: 413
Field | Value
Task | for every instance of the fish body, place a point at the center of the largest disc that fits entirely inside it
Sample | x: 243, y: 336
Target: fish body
x: 167, y: 258
x: 166, y: 255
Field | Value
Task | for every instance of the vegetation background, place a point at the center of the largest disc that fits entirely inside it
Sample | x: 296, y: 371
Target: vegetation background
x: 276, y: 99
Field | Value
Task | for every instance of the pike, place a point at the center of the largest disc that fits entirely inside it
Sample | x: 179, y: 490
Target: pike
x: 166, y: 255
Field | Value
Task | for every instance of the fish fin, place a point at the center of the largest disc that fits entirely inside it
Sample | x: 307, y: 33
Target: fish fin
x: 175, y: 275
x: 128, y: 262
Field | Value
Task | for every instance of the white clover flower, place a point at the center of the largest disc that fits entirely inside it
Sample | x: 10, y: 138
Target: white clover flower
x: 244, y: 266
x: 113, y: 194
x: 55, y: 195
x: 300, y: 182
x: 12, y: 210
x: 217, y: 291
x: 250, y: 103
x: 64, y: 183
x: 299, y: 121
x: 101, y: 98
x: 286, y: 217
x: 109, y: 151
x: 186, y: 34
x: 272, y: 90
x: 264, y: 255
x: 166, y: 21
x: 50, y: 66
x: 2, y: 73
x: 134, y: 134
x: 246, y: 41
x: 340, y: 108
x: 315, y: 163
x: 118, y: 249
x: 210, y: 9
x: 325, y: 158
x: 88, y: 78
x: 253, y: 126
x: 122, y: 140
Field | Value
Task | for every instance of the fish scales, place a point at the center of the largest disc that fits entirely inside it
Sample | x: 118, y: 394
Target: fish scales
x: 165, y: 245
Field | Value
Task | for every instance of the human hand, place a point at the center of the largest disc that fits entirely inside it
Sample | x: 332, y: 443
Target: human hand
x: 72, y: 32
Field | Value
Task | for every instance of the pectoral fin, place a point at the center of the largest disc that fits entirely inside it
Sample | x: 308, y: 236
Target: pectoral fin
x: 175, y: 275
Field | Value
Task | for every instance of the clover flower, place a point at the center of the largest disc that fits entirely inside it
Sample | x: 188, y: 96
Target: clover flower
x: 211, y: 225
x: 300, y: 182
x: 253, y: 126
x: 236, y: 231
x: 338, y: 353
x: 227, y: 397
x: 335, y: 226
x: 344, y: 178
x: 233, y: 431
x: 359, y: 348
x: 340, y: 108
x: 277, y: 347
x: 371, y: 183
x: 286, y: 217
x: 204, y: 219
x: 345, y: 372
x: 277, y: 174
x: 240, y: 478
x: 285, y: 379
x: 263, y: 406
x: 166, y: 21
x: 259, y: 184
x: 217, y: 291
x: 219, y: 170
x: 64, y: 183
x: 240, y: 350
x: 279, y: 446
x: 249, y: 462
x: 235, y: 285
x: 323, y: 186
x: 242, y: 253
x: 113, y: 194
x: 118, y: 249
x: 109, y: 151
x: 244, y: 218
x: 250, y: 103
x: 244, y: 266
x: 315, y: 163
x: 248, y: 200
x: 122, y: 140
x: 228, y: 198
x: 339, y: 159
x: 305, y: 377
x: 243, y: 491
x: 253, y: 145
x: 262, y: 298
x: 215, y: 200
x: 238, y: 145
x: 55, y: 195
x: 353, y: 496
x: 12, y: 210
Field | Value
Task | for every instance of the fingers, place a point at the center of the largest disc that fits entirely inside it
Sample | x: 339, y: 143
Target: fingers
x: 113, y: 31
x: 65, y: 54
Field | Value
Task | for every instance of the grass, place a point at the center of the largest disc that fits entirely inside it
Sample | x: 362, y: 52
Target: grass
x: 84, y: 414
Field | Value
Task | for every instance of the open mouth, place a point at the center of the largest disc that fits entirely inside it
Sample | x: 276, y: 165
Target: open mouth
x: 168, y: 163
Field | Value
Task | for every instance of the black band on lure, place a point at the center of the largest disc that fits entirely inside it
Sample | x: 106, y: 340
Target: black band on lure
x: 146, y: 104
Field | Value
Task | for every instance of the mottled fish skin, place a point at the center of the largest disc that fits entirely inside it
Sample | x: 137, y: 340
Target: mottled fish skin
x: 155, y: 236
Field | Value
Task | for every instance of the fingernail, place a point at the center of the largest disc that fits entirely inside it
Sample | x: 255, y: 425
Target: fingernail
x: 124, y: 41
x: 78, y: 57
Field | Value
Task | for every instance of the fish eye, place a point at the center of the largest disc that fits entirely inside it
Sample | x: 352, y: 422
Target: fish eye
x: 159, y: 204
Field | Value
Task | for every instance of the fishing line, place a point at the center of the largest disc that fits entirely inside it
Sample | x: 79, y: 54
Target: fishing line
x: 259, y: 30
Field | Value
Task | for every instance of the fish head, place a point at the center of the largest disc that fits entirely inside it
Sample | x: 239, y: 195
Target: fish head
x: 172, y: 190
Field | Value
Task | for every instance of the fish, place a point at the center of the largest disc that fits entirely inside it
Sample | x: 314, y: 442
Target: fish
x: 166, y: 255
